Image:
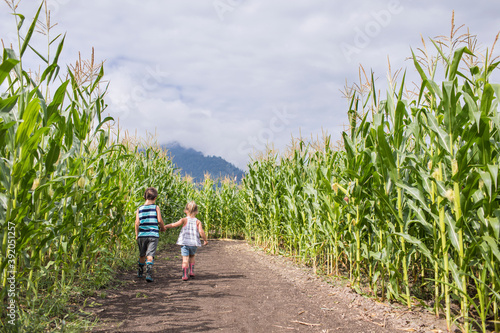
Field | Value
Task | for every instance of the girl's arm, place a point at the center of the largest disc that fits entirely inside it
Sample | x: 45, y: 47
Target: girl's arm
x: 177, y: 224
x: 137, y: 224
x: 202, y: 233
x: 160, y: 220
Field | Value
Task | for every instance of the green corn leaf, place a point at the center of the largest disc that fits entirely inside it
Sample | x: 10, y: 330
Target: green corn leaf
x: 494, y: 224
x: 389, y: 106
x: 384, y: 150
x: 6, y: 66
x: 442, y: 136
x: 440, y: 187
x: 491, y: 68
x: 414, y: 192
x: 456, y: 274
x: 492, y: 245
x: 418, y: 67
x: 410, y: 239
x: 31, y: 29
x: 59, y: 49
x: 5, y: 173
x: 57, y: 100
x: 487, y: 99
x: 105, y: 120
x: 30, y: 118
x: 7, y: 104
x: 420, y: 216
x: 9, y: 53
x: 448, y: 104
x: 78, y: 127
x: 401, y: 88
x: 52, y: 156
x: 4, y: 126
x: 48, y: 72
x: 69, y: 137
x: 98, y: 79
x: 433, y: 86
x: 21, y: 21
x: 486, y: 177
x: 474, y: 113
x: 451, y: 231
x: 348, y: 145
x: 493, y: 169
x: 426, y: 181
x: 39, y: 55
x: 399, y: 123
x: 34, y: 140
x: 457, y: 57
x: 440, y: 50
x: 64, y: 246
x: 496, y: 89
x: 384, y: 198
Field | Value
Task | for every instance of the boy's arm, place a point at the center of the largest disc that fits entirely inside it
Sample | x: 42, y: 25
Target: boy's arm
x: 160, y: 220
x: 202, y: 233
x: 137, y: 224
x: 176, y: 224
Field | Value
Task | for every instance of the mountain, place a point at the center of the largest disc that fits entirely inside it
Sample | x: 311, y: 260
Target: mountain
x: 195, y: 164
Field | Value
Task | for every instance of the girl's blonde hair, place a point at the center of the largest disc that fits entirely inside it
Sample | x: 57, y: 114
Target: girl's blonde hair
x: 191, y: 208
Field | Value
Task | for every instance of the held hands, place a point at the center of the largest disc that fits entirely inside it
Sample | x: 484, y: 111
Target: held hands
x: 167, y: 226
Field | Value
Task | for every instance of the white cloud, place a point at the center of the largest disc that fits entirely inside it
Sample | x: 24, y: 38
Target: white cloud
x: 212, y: 80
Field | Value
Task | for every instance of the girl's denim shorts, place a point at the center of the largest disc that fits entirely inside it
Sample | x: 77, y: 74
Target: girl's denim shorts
x: 188, y: 250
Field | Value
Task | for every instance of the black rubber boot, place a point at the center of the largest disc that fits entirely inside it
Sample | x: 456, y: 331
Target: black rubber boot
x: 149, y: 272
x: 140, y: 270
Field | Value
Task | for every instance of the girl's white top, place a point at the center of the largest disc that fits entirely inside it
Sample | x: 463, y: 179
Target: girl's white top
x: 189, y: 234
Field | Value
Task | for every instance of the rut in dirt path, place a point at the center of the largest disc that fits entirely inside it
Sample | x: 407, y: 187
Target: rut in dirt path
x: 239, y: 290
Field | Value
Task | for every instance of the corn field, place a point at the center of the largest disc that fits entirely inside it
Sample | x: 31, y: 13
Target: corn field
x: 220, y: 207
x: 69, y: 183
x: 409, y: 207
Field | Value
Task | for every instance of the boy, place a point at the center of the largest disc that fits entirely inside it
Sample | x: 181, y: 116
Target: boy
x: 148, y: 224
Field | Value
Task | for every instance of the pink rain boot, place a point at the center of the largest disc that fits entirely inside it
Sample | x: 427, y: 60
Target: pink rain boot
x: 185, y: 276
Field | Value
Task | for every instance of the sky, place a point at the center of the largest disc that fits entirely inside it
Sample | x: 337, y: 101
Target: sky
x: 228, y: 77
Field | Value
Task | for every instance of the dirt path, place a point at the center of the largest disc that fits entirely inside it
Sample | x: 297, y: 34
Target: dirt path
x: 239, y: 289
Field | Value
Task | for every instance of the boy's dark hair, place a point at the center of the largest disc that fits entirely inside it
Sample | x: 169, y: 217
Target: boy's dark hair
x: 151, y: 193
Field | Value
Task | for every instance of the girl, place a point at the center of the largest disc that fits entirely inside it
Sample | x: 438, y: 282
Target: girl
x: 189, y: 238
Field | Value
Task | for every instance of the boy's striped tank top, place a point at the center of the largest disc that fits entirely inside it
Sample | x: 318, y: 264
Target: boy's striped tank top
x: 148, y: 222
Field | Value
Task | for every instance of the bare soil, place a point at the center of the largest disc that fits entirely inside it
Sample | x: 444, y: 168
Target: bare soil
x: 238, y: 288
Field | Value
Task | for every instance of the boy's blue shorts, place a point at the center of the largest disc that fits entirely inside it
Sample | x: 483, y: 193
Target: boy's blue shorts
x: 188, y: 250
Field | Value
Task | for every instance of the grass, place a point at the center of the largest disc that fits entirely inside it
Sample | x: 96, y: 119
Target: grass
x: 64, y: 310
